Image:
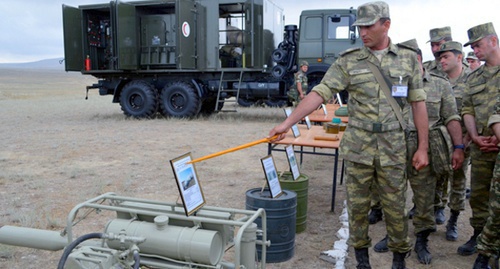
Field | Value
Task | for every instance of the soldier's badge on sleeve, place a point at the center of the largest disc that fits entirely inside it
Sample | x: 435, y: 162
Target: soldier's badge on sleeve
x: 400, y: 90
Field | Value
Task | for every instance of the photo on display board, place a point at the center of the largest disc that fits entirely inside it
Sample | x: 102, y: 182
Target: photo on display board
x: 292, y: 161
x: 188, y: 183
x: 271, y: 176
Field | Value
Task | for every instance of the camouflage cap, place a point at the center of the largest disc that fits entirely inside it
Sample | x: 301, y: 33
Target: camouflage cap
x: 370, y: 13
x: 450, y: 46
x: 471, y: 55
x: 412, y: 43
x: 437, y: 34
x: 304, y: 63
x: 478, y: 32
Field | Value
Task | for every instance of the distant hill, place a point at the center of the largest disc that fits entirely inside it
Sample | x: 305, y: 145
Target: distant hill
x: 43, y: 64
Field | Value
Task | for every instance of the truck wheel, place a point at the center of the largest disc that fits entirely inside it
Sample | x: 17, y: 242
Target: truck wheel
x: 245, y: 102
x: 179, y: 99
x: 275, y: 103
x: 208, y: 106
x: 139, y: 99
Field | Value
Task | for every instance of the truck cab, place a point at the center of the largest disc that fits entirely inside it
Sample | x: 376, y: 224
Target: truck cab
x: 323, y: 35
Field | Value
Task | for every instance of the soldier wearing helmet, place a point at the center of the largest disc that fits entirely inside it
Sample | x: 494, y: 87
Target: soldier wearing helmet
x: 299, y: 88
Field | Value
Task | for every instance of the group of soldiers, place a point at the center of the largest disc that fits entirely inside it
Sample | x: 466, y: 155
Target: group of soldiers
x: 421, y: 123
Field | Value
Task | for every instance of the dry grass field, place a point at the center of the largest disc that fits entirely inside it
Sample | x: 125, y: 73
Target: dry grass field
x: 59, y: 150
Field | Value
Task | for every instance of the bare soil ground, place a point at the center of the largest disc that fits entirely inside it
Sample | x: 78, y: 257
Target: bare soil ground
x: 59, y: 150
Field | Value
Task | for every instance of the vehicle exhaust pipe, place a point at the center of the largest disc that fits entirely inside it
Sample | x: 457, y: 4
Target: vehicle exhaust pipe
x: 32, y: 238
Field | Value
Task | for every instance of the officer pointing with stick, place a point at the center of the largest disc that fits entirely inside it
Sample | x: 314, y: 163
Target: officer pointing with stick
x: 378, y: 77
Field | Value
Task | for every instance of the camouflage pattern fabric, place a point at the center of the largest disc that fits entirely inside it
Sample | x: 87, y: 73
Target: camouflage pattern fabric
x: 293, y: 93
x: 423, y: 194
x: 488, y: 242
x: 441, y: 109
x: 482, y: 85
x: 391, y: 186
x: 457, y: 181
x: 434, y: 67
x: 368, y: 153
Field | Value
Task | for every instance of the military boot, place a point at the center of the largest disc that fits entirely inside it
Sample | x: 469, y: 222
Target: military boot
x: 375, y: 215
x: 362, y: 258
x: 398, y: 260
x: 381, y: 246
x: 481, y: 262
x: 469, y: 247
x: 451, y: 226
x: 439, y: 215
x: 423, y: 254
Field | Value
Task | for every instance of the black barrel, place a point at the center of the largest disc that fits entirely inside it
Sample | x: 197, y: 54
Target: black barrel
x: 281, y: 213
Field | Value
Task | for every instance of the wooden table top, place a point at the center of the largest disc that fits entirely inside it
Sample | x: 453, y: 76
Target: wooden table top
x: 310, y: 138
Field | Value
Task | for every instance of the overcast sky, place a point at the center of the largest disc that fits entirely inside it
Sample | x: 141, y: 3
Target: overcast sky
x: 32, y: 29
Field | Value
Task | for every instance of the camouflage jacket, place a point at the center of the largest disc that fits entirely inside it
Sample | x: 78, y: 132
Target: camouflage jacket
x: 368, y: 104
x: 479, y: 101
x: 300, y: 78
x: 458, y: 90
x: 440, y: 102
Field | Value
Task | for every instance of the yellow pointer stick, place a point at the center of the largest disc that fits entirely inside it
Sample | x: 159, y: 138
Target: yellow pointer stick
x: 264, y: 140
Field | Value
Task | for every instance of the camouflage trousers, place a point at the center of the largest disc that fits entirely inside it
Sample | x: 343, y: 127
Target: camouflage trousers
x: 488, y: 242
x: 423, y: 194
x: 481, y: 177
x: 389, y: 182
x: 456, y: 189
x: 293, y: 96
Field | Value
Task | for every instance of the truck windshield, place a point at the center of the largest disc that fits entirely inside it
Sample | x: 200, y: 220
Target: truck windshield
x: 338, y: 29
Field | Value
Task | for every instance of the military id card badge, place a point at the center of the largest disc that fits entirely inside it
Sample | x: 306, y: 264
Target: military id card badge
x: 400, y: 90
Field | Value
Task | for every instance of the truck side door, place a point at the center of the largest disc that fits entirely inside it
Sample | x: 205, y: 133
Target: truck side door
x: 186, y: 34
x: 73, y: 38
x: 126, y: 36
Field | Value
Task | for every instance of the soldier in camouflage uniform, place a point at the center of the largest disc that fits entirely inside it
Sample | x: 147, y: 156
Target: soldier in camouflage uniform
x: 299, y: 88
x: 373, y: 145
x: 473, y: 61
x: 478, y: 105
x: 444, y: 130
x: 438, y: 37
x: 451, y: 58
x: 488, y: 242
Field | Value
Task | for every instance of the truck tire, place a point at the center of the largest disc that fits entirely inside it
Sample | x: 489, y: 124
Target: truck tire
x: 275, y: 102
x: 179, y: 99
x: 245, y: 102
x: 139, y: 99
x: 208, y: 106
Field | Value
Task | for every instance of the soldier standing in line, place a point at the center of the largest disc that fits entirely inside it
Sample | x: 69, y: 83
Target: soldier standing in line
x: 444, y: 130
x: 299, y: 89
x: 488, y: 242
x: 473, y: 61
x: 478, y: 105
x: 438, y: 36
x: 373, y: 145
x: 450, y: 58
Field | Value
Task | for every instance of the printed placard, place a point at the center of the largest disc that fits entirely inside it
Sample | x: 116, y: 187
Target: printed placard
x: 292, y: 161
x: 188, y: 183
x: 295, y: 128
x: 271, y: 176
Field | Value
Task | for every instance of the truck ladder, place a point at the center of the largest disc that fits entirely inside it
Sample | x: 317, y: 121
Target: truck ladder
x: 223, y: 90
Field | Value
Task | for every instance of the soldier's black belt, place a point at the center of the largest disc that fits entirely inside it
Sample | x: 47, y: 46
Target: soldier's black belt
x: 375, y: 127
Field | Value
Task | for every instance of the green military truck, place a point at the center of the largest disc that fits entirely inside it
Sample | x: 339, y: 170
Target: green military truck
x: 185, y: 57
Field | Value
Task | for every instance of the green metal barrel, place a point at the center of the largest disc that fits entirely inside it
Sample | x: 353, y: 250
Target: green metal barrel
x: 299, y: 186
